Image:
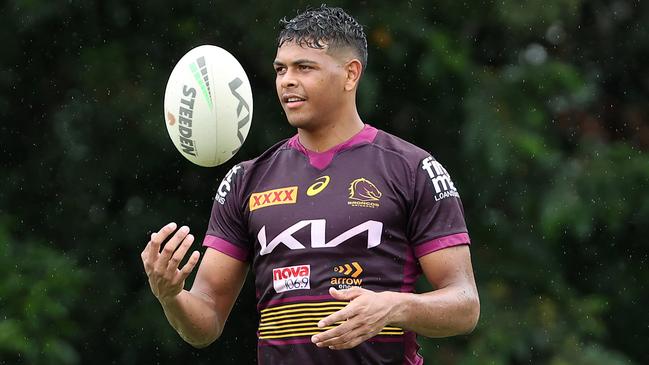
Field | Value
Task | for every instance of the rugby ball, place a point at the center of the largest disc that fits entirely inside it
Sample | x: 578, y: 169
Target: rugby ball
x: 208, y: 105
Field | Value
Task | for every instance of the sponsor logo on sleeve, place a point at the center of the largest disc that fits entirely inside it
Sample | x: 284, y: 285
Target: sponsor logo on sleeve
x: 440, y: 179
x: 226, y: 185
x: 269, y: 198
x: 351, y: 272
x: 362, y: 193
x: 319, y: 185
x: 292, y: 278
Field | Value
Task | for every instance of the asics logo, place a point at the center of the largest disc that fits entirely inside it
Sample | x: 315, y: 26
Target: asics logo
x: 319, y: 185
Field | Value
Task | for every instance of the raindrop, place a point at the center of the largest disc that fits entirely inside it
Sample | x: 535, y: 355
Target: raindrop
x: 535, y: 54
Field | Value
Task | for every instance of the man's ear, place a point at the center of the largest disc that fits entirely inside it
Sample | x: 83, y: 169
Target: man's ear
x: 354, y: 68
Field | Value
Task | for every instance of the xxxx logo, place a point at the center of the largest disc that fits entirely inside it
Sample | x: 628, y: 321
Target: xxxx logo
x: 319, y: 185
x: 352, y: 271
x: 273, y: 197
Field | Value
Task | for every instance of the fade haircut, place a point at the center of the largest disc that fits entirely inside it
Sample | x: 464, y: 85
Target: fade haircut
x: 325, y: 27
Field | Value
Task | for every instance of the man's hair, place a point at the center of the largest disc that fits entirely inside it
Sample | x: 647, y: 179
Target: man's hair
x: 325, y: 26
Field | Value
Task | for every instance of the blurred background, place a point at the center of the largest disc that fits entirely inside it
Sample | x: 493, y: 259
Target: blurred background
x: 538, y: 109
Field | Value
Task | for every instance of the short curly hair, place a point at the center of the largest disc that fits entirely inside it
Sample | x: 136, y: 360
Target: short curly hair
x: 325, y: 27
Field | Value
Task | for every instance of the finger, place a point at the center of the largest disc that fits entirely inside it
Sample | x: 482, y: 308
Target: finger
x: 189, y: 266
x: 349, y: 339
x: 337, y: 331
x: 180, y: 252
x: 158, y: 237
x: 170, y: 247
x: 339, y: 335
x: 356, y: 340
x: 347, y: 312
x: 145, y: 258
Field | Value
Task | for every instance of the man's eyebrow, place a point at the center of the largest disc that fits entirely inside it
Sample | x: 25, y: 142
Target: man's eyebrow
x: 295, y: 63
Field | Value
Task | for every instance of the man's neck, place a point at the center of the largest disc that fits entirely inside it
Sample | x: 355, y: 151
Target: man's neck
x: 329, y: 135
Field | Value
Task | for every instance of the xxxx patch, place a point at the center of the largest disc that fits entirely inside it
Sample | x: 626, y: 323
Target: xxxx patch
x: 269, y: 198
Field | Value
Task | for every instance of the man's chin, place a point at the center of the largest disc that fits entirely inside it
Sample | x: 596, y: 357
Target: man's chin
x: 301, y: 123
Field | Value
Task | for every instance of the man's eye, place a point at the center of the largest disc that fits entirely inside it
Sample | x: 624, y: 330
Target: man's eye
x: 280, y: 70
x: 305, y: 67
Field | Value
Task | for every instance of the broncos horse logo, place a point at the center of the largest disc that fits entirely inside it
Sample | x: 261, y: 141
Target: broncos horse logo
x: 363, y: 190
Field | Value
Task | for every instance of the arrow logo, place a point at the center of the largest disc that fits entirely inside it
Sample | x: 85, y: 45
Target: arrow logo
x: 353, y: 269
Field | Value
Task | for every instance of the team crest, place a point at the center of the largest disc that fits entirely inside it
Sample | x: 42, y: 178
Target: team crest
x: 363, y: 193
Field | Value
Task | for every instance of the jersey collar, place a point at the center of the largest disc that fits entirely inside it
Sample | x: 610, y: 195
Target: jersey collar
x: 320, y: 160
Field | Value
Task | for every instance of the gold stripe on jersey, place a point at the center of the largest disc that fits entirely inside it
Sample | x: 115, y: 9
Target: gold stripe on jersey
x: 302, y: 305
x: 301, y: 319
x: 302, y: 310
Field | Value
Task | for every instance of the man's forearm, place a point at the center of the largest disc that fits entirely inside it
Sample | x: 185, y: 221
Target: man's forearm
x: 441, y: 313
x: 194, y: 318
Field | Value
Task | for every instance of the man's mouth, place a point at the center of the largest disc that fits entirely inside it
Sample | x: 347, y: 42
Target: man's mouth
x: 293, y: 101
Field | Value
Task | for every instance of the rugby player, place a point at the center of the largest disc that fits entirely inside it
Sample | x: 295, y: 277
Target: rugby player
x: 336, y: 223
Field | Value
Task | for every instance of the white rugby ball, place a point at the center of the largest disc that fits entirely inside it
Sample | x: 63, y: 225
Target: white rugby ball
x: 208, y: 105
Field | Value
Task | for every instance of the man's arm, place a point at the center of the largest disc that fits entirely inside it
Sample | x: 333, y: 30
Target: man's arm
x: 452, y: 309
x: 197, y: 315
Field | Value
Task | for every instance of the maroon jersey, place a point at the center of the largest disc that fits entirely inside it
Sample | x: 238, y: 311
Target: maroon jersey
x: 360, y: 214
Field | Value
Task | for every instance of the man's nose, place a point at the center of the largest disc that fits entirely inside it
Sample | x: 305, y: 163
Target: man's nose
x: 289, y: 80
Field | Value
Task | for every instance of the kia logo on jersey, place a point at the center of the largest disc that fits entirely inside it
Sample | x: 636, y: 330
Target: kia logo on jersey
x: 374, y: 231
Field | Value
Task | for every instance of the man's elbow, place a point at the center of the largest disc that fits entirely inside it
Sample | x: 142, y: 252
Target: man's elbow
x: 201, y: 343
x: 472, y: 314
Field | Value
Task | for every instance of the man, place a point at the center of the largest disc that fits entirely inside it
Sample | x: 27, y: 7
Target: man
x: 337, y: 223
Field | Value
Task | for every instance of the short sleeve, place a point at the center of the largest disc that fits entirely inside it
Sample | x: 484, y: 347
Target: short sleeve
x: 226, y: 230
x: 436, y: 218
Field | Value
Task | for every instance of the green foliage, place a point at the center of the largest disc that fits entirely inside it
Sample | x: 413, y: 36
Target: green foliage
x: 40, y: 291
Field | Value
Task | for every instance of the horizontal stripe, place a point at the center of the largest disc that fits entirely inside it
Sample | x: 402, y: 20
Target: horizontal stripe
x: 301, y: 319
x: 303, y: 305
x: 294, y: 330
x: 311, y: 327
x: 296, y: 341
x: 293, y: 320
x: 302, y: 310
x: 226, y: 247
x: 300, y: 298
x: 285, y: 336
x: 441, y: 242
x: 302, y: 324
x: 263, y: 337
x: 323, y: 314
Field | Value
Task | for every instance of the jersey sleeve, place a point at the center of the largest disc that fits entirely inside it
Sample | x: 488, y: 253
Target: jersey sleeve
x: 437, y: 217
x: 226, y: 231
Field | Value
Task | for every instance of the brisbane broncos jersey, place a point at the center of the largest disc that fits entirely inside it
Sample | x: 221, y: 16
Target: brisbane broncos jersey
x: 360, y: 214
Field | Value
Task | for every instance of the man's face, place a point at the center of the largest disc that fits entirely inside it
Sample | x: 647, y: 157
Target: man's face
x: 310, y: 84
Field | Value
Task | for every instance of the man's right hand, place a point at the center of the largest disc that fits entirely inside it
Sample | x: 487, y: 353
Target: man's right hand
x: 165, y: 278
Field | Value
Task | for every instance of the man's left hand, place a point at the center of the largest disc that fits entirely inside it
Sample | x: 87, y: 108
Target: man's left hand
x: 363, y: 318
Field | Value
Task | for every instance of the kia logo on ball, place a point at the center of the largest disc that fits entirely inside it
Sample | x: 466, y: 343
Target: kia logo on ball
x: 234, y: 85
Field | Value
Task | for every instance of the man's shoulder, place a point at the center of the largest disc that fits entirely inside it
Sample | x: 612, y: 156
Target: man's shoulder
x: 397, y: 146
x: 265, y: 157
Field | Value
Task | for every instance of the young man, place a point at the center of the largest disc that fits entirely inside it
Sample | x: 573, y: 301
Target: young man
x: 337, y: 223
